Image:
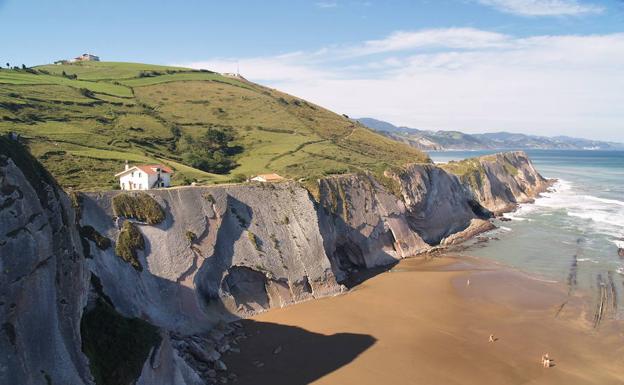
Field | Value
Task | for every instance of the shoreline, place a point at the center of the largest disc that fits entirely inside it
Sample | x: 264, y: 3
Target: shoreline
x: 421, y: 323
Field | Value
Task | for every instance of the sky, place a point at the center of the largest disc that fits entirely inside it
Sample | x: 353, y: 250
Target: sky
x: 545, y: 67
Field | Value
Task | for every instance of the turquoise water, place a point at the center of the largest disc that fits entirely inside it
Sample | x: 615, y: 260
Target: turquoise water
x: 571, y: 234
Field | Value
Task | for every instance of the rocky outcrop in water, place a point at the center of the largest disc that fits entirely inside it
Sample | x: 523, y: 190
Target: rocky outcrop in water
x: 501, y: 181
x: 185, y: 259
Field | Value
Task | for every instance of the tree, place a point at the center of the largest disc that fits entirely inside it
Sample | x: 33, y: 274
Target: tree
x: 211, y: 151
x: 8, y: 65
x: 23, y: 66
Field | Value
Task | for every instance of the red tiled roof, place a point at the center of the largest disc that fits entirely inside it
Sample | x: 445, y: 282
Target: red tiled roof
x: 151, y: 168
x: 269, y: 177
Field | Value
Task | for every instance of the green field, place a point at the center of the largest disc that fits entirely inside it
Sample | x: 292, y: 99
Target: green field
x: 84, y: 129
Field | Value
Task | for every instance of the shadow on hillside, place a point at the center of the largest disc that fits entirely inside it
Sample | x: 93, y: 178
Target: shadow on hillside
x: 302, y: 356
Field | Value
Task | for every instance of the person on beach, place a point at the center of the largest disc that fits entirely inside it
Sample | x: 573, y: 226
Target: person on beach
x: 545, y: 360
x: 491, y: 338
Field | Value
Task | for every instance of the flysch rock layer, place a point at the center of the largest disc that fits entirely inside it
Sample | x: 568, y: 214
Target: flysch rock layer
x: 43, y: 278
x: 221, y: 253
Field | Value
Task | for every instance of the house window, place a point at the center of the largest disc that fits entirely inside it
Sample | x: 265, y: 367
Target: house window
x: 132, y: 174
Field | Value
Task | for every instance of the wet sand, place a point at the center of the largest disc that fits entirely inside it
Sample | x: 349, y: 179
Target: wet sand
x: 420, y: 323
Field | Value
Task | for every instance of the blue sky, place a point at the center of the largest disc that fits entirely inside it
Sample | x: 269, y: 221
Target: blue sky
x: 536, y: 66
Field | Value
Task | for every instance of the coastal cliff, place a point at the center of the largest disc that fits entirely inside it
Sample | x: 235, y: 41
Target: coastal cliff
x: 44, y: 279
x: 175, y: 263
x: 501, y: 181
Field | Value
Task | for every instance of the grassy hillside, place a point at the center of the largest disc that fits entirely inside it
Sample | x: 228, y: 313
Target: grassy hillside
x: 84, y: 120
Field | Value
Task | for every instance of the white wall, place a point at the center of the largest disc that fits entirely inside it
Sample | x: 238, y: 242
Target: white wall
x: 135, y: 180
x: 142, y: 181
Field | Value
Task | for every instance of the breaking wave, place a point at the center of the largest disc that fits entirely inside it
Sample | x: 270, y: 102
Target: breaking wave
x: 603, y: 215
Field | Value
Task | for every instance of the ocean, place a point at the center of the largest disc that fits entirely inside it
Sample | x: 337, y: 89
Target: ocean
x: 572, y: 233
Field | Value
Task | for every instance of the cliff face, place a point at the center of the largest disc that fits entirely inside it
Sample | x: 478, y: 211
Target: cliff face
x: 43, y: 276
x: 220, y: 251
x: 209, y: 254
x: 501, y: 181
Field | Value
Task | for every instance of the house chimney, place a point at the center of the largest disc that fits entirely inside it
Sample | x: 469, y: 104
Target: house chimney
x: 127, y: 166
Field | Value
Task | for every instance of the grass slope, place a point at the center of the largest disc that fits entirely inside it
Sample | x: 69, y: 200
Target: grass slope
x: 84, y: 129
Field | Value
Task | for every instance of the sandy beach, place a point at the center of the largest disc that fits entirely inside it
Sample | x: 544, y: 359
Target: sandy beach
x: 421, y: 323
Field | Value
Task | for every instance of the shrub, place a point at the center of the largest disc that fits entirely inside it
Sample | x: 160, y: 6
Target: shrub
x: 191, y: 236
x: 241, y: 221
x: 91, y: 234
x: 254, y: 239
x: 117, y: 347
x: 239, y: 178
x: 208, y: 197
x: 140, y: 206
x: 87, y: 93
x: 129, y: 241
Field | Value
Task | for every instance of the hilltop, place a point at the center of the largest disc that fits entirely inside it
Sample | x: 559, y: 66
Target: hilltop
x: 83, y: 120
x: 456, y: 140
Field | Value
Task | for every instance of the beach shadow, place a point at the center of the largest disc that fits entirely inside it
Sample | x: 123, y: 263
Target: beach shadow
x: 280, y: 354
x: 356, y: 278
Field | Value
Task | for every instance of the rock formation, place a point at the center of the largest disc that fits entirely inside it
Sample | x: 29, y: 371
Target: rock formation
x: 185, y: 259
x: 501, y: 181
x: 43, y: 276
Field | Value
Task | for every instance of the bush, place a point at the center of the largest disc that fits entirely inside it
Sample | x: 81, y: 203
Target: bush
x: 117, y: 347
x: 129, y: 241
x: 140, y: 206
x: 87, y: 93
x: 191, y: 236
x: 239, y: 178
x: 91, y: 234
x: 208, y: 197
x: 211, y: 151
x: 255, y: 240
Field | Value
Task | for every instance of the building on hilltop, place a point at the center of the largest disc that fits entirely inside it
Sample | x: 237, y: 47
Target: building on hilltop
x: 86, y: 57
x: 144, y: 177
x: 265, y: 178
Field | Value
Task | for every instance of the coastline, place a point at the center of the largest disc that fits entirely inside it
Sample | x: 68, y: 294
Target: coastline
x: 420, y: 323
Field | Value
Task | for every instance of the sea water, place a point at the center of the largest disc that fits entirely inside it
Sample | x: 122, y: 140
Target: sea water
x: 572, y: 233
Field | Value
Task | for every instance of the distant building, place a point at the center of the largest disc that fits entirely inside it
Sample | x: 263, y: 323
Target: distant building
x: 144, y: 177
x: 87, y: 57
x: 62, y: 61
x: 233, y: 75
x: 265, y: 178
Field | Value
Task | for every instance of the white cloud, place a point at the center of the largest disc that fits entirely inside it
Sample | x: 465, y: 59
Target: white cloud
x: 326, y: 4
x: 543, y: 7
x: 447, y: 37
x: 545, y: 85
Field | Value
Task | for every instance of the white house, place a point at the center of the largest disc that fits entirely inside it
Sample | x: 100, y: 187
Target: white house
x: 86, y: 57
x: 144, y: 177
x: 267, y: 178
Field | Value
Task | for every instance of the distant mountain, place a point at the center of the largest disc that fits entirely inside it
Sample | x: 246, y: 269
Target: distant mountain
x: 456, y: 140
